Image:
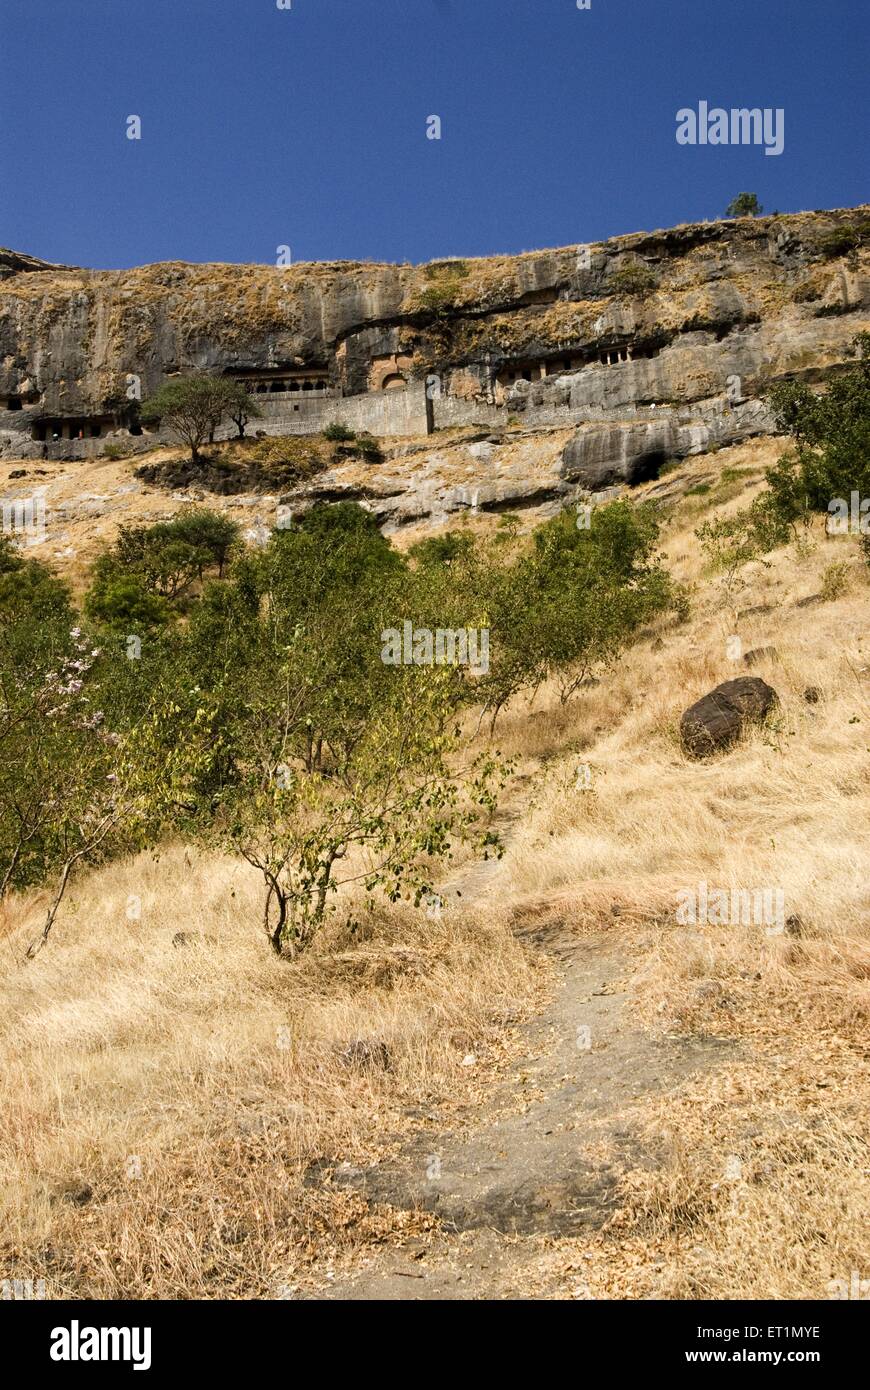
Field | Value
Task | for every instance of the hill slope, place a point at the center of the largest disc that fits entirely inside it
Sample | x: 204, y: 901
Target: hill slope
x: 419, y: 1113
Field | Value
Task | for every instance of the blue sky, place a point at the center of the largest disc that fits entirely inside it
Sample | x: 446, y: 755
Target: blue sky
x: 307, y: 127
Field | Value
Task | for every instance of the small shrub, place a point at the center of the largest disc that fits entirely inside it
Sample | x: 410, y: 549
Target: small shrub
x: 447, y: 277
x: 835, y: 580
x: 124, y: 603
x: 439, y: 299
x: 369, y: 448
x: 632, y: 277
x: 338, y: 434
x: 443, y: 549
x: 457, y: 269
x: 298, y: 455
x: 838, y: 243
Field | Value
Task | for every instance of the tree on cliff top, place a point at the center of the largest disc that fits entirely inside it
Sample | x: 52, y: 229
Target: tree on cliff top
x: 193, y: 408
x: 744, y: 205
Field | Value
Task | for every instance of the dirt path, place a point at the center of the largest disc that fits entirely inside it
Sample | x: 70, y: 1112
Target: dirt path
x: 544, y: 1158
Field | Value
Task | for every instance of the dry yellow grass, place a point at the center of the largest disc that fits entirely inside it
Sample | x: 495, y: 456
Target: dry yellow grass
x: 763, y: 1188
x: 161, y: 1102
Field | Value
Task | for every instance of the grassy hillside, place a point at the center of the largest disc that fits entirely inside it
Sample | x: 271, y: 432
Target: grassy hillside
x: 179, y: 1109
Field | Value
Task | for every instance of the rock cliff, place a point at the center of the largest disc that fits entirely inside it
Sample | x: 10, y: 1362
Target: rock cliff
x: 652, y: 345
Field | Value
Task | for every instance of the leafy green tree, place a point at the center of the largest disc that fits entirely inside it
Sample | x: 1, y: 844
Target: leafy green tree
x: 831, y: 431
x: 564, y: 604
x: 830, y: 460
x: 325, y: 588
x: 124, y: 602
x: 138, y: 584
x: 192, y: 407
x: 62, y: 796
x: 331, y: 766
x: 744, y: 205
x: 392, y: 802
x: 209, y: 533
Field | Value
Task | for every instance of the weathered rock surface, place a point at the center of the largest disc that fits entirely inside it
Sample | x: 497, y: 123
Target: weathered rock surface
x: 602, y: 455
x: 719, y: 718
x: 734, y: 305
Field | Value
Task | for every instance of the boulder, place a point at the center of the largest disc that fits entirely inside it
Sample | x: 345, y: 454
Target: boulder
x: 719, y: 718
x: 601, y: 455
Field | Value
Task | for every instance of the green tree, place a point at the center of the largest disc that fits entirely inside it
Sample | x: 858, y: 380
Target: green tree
x: 63, y: 798
x: 392, y: 802
x: 744, y: 205
x: 139, y: 583
x: 830, y: 460
x: 332, y: 766
x: 563, y: 604
x: 831, y: 430
x: 209, y: 533
x: 124, y: 602
x: 192, y: 407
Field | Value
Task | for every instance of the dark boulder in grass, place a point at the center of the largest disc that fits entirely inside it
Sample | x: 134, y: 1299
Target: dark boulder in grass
x: 718, y: 719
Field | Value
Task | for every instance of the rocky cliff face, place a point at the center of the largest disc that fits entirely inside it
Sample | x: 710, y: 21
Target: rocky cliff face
x: 694, y: 322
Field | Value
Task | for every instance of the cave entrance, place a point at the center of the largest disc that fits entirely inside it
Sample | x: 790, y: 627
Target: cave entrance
x: 648, y: 466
